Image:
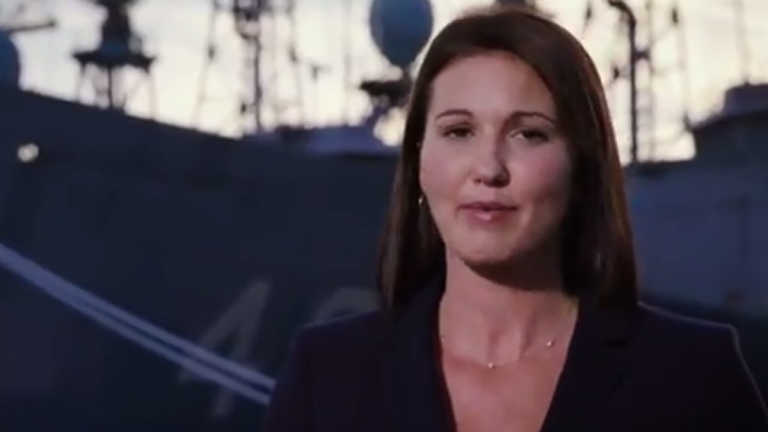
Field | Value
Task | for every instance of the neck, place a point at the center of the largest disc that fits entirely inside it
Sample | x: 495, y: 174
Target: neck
x: 503, y: 318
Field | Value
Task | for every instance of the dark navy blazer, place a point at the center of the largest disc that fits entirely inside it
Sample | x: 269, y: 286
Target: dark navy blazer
x: 634, y: 370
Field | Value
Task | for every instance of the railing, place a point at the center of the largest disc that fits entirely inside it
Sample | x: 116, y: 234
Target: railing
x: 246, y: 382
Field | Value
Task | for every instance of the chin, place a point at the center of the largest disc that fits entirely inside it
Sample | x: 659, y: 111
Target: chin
x: 492, y: 253
x: 488, y: 256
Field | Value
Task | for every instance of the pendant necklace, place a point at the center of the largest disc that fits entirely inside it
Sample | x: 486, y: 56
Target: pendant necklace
x: 492, y: 365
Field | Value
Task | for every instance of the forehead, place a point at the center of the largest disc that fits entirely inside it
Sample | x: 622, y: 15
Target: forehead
x: 491, y: 83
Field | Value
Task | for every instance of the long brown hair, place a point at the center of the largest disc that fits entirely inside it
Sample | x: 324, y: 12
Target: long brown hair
x: 598, y: 252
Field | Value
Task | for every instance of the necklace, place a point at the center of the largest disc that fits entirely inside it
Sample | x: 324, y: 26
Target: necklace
x: 492, y: 365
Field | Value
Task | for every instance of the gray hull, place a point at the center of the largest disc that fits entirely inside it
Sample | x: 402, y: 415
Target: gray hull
x: 230, y: 246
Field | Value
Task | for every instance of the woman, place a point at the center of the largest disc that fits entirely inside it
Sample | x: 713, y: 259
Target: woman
x: 508, y: 270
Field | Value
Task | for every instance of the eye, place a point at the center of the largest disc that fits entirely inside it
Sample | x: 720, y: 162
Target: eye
x: 458, y: 132
x: 534, y: 135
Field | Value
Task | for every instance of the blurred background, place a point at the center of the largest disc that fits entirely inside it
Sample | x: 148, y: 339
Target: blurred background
x: 184, y: 183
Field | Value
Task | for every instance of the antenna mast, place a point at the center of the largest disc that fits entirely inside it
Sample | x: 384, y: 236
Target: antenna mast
x: 120, y: 50
x: 742, y: 40
x: 268, y: 31
x: 280, y: 87
x: 639, y: 69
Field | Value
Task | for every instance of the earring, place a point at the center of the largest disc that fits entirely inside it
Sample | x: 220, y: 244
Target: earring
x: 421, y: 200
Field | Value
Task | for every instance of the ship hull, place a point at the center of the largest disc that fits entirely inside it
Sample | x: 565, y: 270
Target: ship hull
x: 229, y: 246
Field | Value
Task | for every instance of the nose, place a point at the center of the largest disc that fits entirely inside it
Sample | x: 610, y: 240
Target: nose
x: 489, y: 168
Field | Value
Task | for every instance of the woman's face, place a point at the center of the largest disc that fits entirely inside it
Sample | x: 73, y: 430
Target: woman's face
x: 495, y: 168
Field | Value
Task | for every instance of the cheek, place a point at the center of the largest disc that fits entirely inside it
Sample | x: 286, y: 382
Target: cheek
x: 440, y: 175
x: 544, y: 183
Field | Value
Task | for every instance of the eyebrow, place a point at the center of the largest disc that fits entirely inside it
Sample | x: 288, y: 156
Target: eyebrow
x: 515, y: 115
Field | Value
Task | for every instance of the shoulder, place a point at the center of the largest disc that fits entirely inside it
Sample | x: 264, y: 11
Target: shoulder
x: 681, y: 347
x: 334, y: 351
x: 332, y: 357
x: 678, y: 332
x: 348, y: 337
x: 708, y: 356
x: 351, y: 328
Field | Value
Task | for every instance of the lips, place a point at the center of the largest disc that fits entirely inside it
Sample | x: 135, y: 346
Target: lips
x: 488, y: 211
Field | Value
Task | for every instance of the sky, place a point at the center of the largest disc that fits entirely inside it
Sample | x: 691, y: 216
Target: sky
x: 336, y: 51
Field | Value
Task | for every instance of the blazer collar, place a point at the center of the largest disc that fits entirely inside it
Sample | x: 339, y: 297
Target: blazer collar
x: 596, y: 360
x: 417, y: 389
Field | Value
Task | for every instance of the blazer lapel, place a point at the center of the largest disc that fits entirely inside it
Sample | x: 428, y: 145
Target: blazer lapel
x: 418, y: 400
x: 596, y: 361
x: 416, y: 389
